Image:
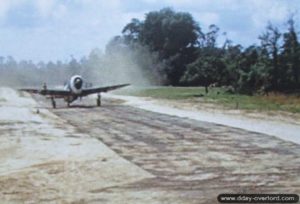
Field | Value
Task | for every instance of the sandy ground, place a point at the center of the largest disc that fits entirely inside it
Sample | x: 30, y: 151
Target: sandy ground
x: 122, y: 154
x: 43, y: 159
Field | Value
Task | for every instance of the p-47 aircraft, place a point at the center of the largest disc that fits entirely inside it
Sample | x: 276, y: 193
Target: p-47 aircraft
x: 72, y: 91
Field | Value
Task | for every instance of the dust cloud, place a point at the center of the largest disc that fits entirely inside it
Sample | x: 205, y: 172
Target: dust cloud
x: 118, y: 64
x: 123, y: 65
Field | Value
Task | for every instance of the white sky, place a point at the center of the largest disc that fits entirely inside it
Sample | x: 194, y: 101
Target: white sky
x: 56, y: 29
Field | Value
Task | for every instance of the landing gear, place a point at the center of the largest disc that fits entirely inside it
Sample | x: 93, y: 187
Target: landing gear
x: 69, y: 101
x: 53, y: 102
x: 99, y: 99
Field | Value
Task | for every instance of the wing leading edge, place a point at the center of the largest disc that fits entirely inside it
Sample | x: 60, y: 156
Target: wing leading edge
x: 89, y: 91
x: 62, y: 93
x: 48, y: 92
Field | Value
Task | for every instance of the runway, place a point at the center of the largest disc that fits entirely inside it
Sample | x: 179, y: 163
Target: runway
x: 157, y: 158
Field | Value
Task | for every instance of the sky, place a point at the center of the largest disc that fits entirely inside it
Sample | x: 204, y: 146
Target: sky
x: 44, y: 30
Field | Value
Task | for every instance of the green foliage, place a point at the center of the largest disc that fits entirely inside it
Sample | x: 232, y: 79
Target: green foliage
x: 169, y: 48
x: 169, y: 32
x: 272, y: 66
x: 172, y: 35
x: 204, y: 71
x: 209, y: 66
x: 270, y: 42
x: 290, y: 59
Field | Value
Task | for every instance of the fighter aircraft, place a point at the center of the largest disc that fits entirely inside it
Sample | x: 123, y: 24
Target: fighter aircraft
x: 72, y: 91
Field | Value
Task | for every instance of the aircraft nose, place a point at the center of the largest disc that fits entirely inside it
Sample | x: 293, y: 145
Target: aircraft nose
x: 78, y: 83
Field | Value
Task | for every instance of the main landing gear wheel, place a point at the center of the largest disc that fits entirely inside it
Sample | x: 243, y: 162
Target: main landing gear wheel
x: 53, y: 102
x: 99, y: 100
x: 68, y: 100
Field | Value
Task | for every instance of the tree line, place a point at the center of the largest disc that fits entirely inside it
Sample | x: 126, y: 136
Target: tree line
x: 170, y: 48
x: 190, y: 57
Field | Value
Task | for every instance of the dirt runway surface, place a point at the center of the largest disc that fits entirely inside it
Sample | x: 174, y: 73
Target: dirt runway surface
x: 155, y: 158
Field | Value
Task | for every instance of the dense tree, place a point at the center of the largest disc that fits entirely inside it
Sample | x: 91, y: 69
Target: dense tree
x: 209, y: 66
x: 169, y: 32
x: 132, y: 31
x: 172, y: 35
x: 270, y: 42
x: 231, y: 58
x: 203, y: 71
x: 291, y: 57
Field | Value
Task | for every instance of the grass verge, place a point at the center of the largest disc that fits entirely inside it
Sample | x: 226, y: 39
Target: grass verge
x: 218, y: 96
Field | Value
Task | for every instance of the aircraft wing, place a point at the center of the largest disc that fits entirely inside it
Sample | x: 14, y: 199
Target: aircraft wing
x: 89, y: 91
x: 49, y: 92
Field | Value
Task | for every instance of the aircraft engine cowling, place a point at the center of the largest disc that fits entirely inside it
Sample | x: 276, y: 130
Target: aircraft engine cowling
x: 76, y: 84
